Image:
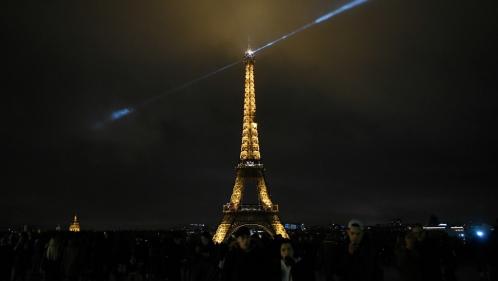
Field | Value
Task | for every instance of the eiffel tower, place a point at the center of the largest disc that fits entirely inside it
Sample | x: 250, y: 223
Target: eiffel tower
x: 265, y: 214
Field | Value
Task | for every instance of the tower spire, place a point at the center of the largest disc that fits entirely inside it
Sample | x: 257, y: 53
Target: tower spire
x: 249, y: 149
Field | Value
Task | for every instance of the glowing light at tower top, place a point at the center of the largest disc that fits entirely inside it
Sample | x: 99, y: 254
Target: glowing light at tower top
x: 248, y: 55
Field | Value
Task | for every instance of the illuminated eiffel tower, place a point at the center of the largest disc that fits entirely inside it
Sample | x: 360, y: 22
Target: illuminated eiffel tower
x: 250, y: 168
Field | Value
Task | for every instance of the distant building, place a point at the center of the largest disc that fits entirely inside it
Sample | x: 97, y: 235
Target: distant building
x: 454, y: 231
x: 195, y: 228
x: 295, y: 226
x: 75, y: 225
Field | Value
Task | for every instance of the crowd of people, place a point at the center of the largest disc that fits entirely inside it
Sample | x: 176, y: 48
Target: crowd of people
x: 352, y: 253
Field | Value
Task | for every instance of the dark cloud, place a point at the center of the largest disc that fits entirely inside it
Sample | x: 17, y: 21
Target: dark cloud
x: 388, y: 110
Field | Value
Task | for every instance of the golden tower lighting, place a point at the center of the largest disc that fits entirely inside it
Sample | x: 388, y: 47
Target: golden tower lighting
x: 265, y: 214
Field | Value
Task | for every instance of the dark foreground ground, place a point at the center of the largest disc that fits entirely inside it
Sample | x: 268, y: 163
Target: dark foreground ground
x: 188, y: 256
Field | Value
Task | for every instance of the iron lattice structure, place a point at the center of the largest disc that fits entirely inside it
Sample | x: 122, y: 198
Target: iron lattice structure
x: 265, y: 214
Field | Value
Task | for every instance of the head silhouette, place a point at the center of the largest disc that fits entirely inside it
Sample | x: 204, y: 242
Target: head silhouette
x: 243, y: 238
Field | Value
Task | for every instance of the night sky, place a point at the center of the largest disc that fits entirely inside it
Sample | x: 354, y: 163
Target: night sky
x: 388, y: 110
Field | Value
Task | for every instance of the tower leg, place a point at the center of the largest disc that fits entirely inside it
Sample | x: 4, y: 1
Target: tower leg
x: 263, y: 195
x: 278, y: 227
x: 223, y: 229
x: 238, y: 191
